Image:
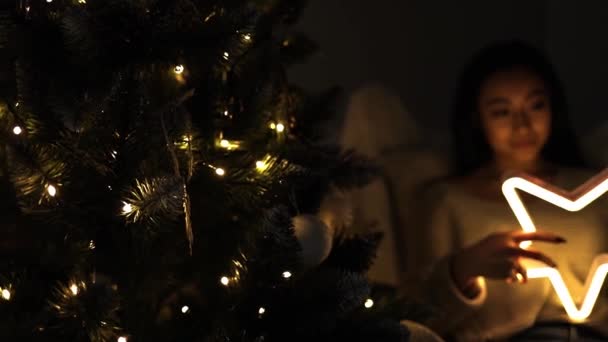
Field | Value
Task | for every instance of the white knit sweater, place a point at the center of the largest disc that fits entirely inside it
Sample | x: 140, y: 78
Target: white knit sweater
x: 459, y: 219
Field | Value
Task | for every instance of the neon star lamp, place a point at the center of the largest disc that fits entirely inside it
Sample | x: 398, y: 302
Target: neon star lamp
x: 572, y: 201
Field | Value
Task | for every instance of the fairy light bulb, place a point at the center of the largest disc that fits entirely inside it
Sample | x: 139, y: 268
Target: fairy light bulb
x: 122, y: 339
x: 127, y: 208
x: 261, y: 165
x: 185, y: 309
x: 49, y: 1
x: 226, y: 55
x: 369, y: 303
x: 179, y: 69
x: 262, y: 310
x: 220, y: 172
x: 17, y: 103
x: 6, y: 294
x: 280, y: 127
x: 272, y: 126
x: 17, y: 130
x: 82, y: 1
x: 74, y: 289
x: 225, y: 281
x: 51, y: 190
x: 287, y: 274
x: 225, y: 143
x: 247, y: 37
x: 226, y: 113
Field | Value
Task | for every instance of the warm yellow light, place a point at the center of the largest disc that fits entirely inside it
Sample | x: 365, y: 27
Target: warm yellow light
x: 226, y: 55
x: 17, y: 130
x: 247, y: 37
x: 224, y: 143
x: 220, y: 172
x: 6, y: 294
x: 287, y: 274
x: 51, y: 190
x: 280, y: 127
x: 185, y: 309
x: 127, y: 208
x: 74, y: 289
x: 261, y: 165
x: 573, y: 201
x: 49, y: 1
x: 262, y: 310
x: 178, y: 69
x: 369, y: 303
x: 122, y: 339
x: 226, y: 113
x: 272, y: 126
x: 91, y: 245
x: 82, y: 1
x: 17, y: 103
x: 225, y: 281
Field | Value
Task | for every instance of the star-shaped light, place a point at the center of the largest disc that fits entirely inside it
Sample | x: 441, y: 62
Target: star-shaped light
x: 571, y: 201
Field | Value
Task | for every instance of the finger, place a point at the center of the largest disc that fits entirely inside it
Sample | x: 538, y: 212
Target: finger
x: 521, y: 274
x: 538, y: 236
x: 532, y: 254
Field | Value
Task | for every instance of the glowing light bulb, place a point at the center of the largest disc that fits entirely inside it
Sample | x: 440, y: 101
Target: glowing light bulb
x: 91, y: 245
x: 17, y: 130
x: 286, y: 274
x: 272, y: 126
x: 51, y: 190
x: 49, y: 1
x: 82, y: 1
x: 369, y: 303
x: 178, y: 69
x: 226, y: 55
x: 6, y: 294
x: 220, y: 172
x: 127, y: 208
x: 185, y: 309
x: 225, y: 143
x: 226, y: 113
x: 225, y: 281
x: 17, y: 103
x: 247, y: 37
x: 280, y: 127
x: 262, y: 310
x: 122, y: 339
x: 261, y: 165
x: 74, y: 289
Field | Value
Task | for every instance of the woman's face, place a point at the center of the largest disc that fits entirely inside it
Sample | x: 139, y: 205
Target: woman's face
x: 516, y: 115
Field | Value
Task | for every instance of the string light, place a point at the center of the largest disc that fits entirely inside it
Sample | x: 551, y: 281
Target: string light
x: 261, y: 165
x: 226, y: 55
x: 51, y: 190
x: 17, y: 103
x: 74, y: 289
x: 369, y: 303
x: 17, y: 130
x: 220, y: 172
x: 272, y: 126
x: 226, y: 113
x: 262, y: 310
x: 280, y: 127
x: 91, y: 245
x: 82, y: 1
x: 225, y: 281
x: 286, y: 274
x: 49, y: 1
x: 6, y: 294
x: 127, y: 208
x: 247, y: 37
x: 178, y: 69
x: 185, y: 309
x: 122, y: 339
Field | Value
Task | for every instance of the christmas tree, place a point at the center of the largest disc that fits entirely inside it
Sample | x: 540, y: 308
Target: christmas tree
x: 161, y: 180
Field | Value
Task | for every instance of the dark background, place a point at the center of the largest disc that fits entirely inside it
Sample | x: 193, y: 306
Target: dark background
x: 418, y: 48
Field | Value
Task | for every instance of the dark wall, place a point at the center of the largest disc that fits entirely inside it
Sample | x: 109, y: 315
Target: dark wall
x: 419, y: 47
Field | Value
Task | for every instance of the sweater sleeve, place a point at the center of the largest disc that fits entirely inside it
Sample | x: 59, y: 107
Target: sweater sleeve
x: 440, y: 241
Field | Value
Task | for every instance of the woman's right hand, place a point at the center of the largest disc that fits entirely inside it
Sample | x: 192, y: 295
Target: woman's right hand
x: 497, y: 256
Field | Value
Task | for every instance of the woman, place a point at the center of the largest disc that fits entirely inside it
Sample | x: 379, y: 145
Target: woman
x: 509, y: 115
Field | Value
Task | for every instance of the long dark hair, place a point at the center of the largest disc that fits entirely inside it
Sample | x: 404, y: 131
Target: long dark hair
x: 471, y: 149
